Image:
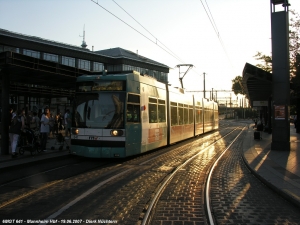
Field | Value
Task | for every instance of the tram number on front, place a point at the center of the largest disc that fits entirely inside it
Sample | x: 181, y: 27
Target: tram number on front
x: 93, y: 138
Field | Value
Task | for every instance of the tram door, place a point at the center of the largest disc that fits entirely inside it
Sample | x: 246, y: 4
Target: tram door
x: 133, y: 125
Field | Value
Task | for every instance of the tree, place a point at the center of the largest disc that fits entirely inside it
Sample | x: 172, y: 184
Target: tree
x: 267, y: 62
x: 294, y: 47
x: 294, y: 35
x: 236, y: 85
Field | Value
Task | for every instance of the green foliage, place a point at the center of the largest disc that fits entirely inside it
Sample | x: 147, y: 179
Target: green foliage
x: 294, y: 47
x: 236, y: 85
x: 266, y: 62
x: 294, y: 35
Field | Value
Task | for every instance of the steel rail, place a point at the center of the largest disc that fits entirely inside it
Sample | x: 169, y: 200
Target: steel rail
x: 207, y: 185
x: 153, y: 202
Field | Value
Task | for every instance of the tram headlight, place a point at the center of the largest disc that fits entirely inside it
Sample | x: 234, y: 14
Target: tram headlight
x: 75, y: 131
x: 116, y: 132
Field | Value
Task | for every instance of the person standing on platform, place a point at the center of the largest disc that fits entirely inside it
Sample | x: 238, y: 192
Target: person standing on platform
x: 56, y: 124
x: 16, y: 127
x: 11, y: 115
x: 35, y: 122
x: 51, y: 124
x: 69, y: 125
x: 45, y: 128
x: 67, y: 122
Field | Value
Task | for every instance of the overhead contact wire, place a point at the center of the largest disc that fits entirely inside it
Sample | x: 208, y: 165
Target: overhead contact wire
x: 211, y: 19
x: 135, y: 29
x: 147, y: 30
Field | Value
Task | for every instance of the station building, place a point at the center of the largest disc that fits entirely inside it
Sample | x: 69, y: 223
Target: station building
x: 36, y: 72
x: 31, y: 61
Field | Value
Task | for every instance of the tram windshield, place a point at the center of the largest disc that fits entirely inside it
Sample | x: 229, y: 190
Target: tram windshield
x: 99, y: 110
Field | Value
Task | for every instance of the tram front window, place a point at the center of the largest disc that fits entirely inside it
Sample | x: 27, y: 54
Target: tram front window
x: 99, y: 110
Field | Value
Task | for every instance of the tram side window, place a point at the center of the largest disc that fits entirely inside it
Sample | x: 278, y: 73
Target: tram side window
x: 174, y: 115
x: 191, y: 115
x: 211, y: 115
x: 152, y: 113
x: 161, y: 111
x: 199, y: 115
x: 180, y: 116
x: 133, y: 113
x: 206, y: 115
x: 133, y: 109
x: 157, y: 110
x: 186, y: 115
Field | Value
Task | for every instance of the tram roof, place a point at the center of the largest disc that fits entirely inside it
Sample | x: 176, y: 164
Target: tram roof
x: 256, y: 83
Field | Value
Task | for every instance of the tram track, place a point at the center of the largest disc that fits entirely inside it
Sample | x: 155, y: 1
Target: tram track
x: 208, y: 181
x: 102, y: 178
x: 151, y: 208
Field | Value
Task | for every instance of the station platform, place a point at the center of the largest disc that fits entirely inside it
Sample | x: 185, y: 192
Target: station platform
x: 52, y: 152
x: 280, y: 170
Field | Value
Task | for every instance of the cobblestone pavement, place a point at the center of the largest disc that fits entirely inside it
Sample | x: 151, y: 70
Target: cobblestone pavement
x: 126, y: 198
x: 182, y: 201
x: 238, y: 197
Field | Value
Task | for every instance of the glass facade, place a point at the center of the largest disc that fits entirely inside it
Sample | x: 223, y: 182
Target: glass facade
x: 50, y: 57
x: 68, y: 61
x: 4, y: 48
x: 84, y: 64
x: 31, y: 53
x: 88, y: 65
x: 98, y: 66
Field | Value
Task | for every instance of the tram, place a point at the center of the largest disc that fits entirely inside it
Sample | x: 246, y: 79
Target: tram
x: 123, y: 114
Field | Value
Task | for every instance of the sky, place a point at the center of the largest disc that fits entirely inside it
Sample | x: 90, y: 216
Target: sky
x: 218, y: 37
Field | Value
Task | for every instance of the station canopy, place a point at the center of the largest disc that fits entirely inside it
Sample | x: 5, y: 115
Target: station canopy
x: 256, y: 83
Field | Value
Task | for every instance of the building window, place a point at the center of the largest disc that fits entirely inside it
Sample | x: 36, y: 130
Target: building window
x: 83, y: 64
x: 150, y: 73
x: 68, y: 61
x: 31, y: 53
x: 4, y: 48
x: 98, y: 66
x: 163, y: 76
x: 51, y: 57
x: 119, y: 67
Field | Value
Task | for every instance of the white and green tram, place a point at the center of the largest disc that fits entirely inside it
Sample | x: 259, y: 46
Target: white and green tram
x: 124, y: 114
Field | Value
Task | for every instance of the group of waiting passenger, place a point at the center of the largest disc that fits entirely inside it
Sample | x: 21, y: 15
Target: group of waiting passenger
x: 44, y: 122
